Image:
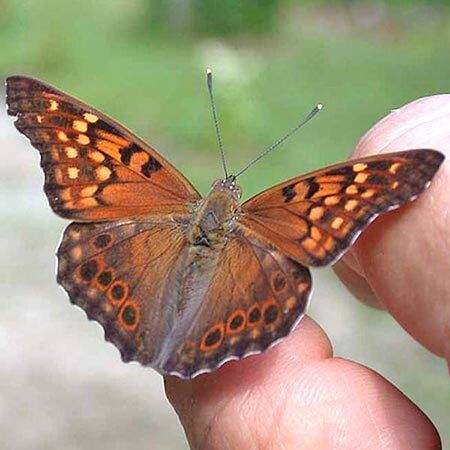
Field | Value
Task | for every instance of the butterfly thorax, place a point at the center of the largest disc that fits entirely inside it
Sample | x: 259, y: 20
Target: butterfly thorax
x: 215, y: 214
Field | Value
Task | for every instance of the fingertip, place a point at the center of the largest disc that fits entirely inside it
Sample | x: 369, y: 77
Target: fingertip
x: 403, y: 255
x: 356, y: 283
x: 380, y: 410
x: 350, y: 404
x: 422, y: 123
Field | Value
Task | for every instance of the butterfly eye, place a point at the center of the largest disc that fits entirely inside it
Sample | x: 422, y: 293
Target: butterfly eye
x: 237, y: 192
x: 218, y: 185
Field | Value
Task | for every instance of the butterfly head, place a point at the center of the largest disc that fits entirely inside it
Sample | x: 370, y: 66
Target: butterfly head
x: 228, y: 185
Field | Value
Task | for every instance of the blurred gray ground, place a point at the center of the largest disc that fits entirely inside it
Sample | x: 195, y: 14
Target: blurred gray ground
x: 62, y: 387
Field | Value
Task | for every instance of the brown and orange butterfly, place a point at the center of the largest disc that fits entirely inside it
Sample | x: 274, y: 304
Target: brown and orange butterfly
x: 180, y: 282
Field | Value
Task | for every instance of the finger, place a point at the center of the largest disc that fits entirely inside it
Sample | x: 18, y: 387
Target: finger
x: 356, y: 282
x: 402, y: 259
x: 297, y: 396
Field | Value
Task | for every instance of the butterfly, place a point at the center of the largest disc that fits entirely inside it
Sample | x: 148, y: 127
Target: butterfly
x: 180, y: 282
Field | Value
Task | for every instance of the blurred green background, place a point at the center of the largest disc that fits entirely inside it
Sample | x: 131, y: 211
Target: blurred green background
x: 143, y: 62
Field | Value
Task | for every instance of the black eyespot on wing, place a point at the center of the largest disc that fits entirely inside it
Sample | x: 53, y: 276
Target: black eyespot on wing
x: 312, y: 189
x: 152, y: 165
x: 289, y: 192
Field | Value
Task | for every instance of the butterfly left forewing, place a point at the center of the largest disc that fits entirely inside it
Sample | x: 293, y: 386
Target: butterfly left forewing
x: 95, y: 169
x: 316, y: 217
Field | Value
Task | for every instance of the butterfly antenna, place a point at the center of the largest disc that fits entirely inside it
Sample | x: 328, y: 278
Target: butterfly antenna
x: 216, y: 120
x: 267, y: 150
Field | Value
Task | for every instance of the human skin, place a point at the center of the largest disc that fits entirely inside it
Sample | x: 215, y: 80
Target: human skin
x: 297, y: 395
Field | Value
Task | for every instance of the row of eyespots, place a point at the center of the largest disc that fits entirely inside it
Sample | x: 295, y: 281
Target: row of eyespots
x: 256, y: 316
x: 116, y: 291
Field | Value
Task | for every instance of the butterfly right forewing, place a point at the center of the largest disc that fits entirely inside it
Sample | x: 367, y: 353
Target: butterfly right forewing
x: 316, y: 217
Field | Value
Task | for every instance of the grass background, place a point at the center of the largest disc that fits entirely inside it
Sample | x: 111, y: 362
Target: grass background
x: 143, y: 63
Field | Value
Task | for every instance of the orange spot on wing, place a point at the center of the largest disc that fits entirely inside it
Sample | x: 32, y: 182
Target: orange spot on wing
x: 65, y: 194
x: 139, y: 158
x: 72, y: 172
x: 302, y: 287
x: 59, y: 175
x: 89, y: 191
x: 108, y: 147
x: 351, y: 190
x: 316, y: 213
x: 74, y: 234
x: 55, y: 153
x: 53, y: 105
x: 290, y: 302
x: 350, y: 205
x: 82, y: 203
x: 309, y: 244
x: 76, y: 253
x: 330, y: 179
x: 301, y: 189
x: 394, y: 167
x: 315, y: 233
x: 88, y: 202
x: 337, y: 222
x: 89, y: 117
x: 361, y: 177
x: 62, y: 136
x: 359, y: 167
x: 39, y: 119
x: 80, y: 125
x: 119, y: 141
x: 367, y: 194
x: 329, y: 243
x: 332, y: 200
x: 83, y: 139
x: 255, y: 333
x: 71, y: 152
x: 103, y: 173
x: 327, y: 189
x: 98, y: 157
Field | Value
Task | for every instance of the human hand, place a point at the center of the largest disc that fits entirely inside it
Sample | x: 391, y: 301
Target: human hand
x: 297, y: 395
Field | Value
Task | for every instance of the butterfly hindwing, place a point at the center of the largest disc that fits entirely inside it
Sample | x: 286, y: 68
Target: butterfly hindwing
x: 117, y: 272
x: 122, y: 276
x: 316, y: 217
x: 255, y: 296
x: 95, y: 169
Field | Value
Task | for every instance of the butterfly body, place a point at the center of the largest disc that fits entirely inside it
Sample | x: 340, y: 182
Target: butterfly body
x: 180, y: 282
x: 215, y: 215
